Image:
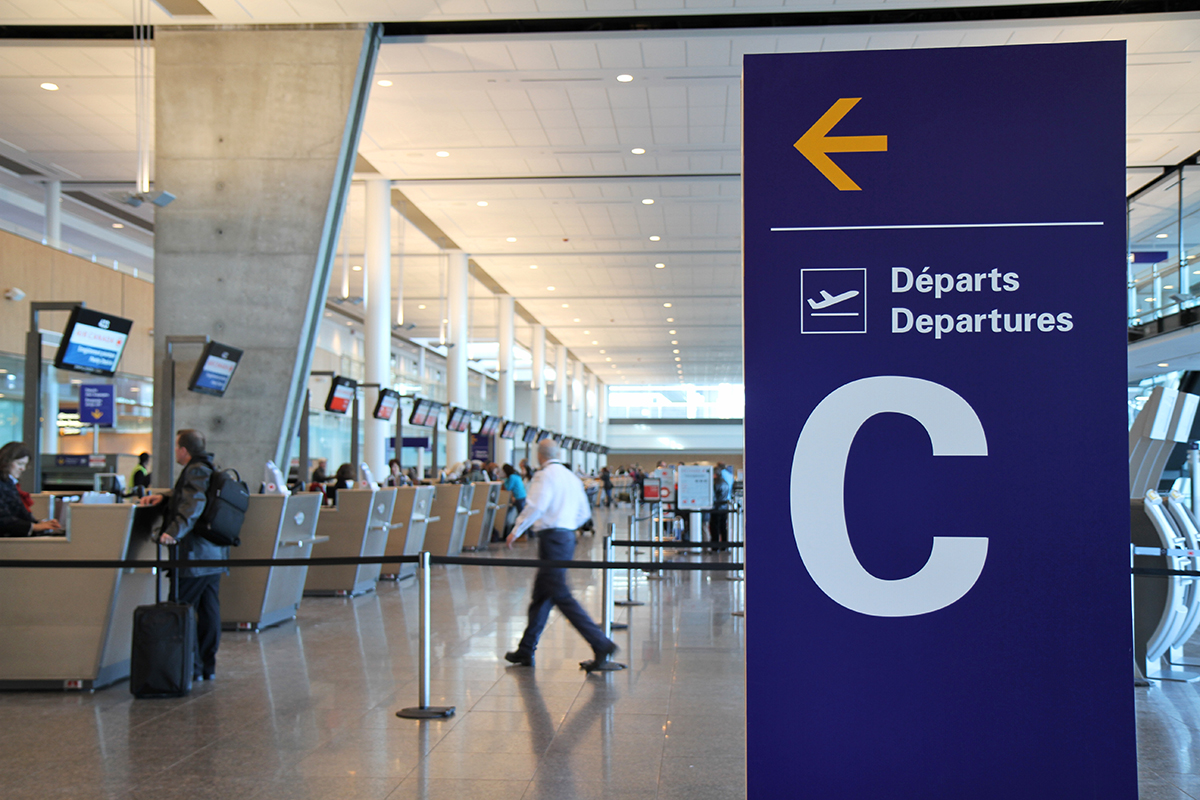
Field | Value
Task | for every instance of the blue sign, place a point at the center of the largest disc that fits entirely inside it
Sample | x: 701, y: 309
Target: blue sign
x: 98, y: 405
x: 481, y: 447
x: 421, y: 442
x: 921, y: 567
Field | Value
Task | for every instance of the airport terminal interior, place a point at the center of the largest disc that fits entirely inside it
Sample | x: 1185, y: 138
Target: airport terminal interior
x: 345, y: 232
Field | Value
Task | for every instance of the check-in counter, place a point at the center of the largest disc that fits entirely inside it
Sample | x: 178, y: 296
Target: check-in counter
x: 484, y: 505
x: 253, y: 598
x: 410, y: 519
x: 357, y: 527
x: 452, y: 507
x: 73, y: 628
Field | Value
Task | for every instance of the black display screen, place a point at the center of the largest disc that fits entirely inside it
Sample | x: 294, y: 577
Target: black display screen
x: 92, y: 342
x: 215, y: 369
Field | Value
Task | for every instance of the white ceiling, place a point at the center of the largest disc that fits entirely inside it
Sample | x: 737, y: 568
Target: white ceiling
x: 537, y: 126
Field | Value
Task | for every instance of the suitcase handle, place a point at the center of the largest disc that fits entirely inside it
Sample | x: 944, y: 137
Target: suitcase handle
x: 173, y: 587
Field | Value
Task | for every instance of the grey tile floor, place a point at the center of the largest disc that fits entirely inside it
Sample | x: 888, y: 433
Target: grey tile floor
x: 306, y: 711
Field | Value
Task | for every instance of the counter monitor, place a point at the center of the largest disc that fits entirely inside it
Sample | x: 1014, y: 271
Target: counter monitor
x: 530, y: 436
x: 425, y: 413
x: 509, y: 431
x: 489, y: 425
x: 92, y: 342
x: 385, y: 406
x: 459, y: 420
x: 341, y: 394
x: 215, y: 369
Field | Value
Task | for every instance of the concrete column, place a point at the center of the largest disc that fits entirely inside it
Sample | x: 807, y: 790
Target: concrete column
x: 54, y: 213
x: 506, y: 388
x: 377, y: 332
x: 590, y: 415
x: 561, y: 379
x: 457, y: 336
x: 538, y: 383
x: 577, y: 399
x: 256, y: 135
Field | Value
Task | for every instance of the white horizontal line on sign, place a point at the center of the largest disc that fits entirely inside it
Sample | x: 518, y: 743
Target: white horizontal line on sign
x: 947, y: 225
x: 836, y: 314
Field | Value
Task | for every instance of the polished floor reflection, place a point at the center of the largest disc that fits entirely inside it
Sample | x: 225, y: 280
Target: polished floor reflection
x: 306, y: 711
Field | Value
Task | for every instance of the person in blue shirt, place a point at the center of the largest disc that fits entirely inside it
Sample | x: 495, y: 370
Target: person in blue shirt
x: 722, y: 495
x: 514, y: 484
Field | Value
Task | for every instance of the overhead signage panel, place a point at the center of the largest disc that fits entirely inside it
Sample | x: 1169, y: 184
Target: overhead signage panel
x: 934, y: 328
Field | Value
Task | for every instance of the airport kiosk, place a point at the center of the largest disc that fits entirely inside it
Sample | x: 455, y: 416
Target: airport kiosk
x: 73, y: 628
x: 452, y: 507
x: 357, y: 526
x: 1167, y: 608
x: 276, y: 526
x: 410, y: 519
x: 484, y: 505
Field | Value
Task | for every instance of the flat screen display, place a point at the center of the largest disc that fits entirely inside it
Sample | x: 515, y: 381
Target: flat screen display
x: 425, y: 413
x: 341, y: 394
x: 509, y: 431
x: 459, y: 420
x: 215, y: 369
x: 490, y: 425
x: 386, y: 405
x: 567, y: 443
x: 92, y: 342
x: 530, y: 436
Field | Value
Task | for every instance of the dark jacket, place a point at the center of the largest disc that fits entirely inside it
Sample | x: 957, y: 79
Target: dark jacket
x: 182, y: 519
x: 15, y: 519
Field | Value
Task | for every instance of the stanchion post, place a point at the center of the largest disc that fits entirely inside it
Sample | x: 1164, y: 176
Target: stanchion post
x: 424, y: 710
x: 629, y: 598
x: 606, y: 584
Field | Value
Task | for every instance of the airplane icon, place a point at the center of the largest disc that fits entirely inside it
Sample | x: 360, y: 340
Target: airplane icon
x: 828, y: 300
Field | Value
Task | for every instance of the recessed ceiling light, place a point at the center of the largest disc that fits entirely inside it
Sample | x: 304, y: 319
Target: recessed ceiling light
x: 118, y: 225
x: 422, y: 306
x: 671, y: 332
x: 666, y: 305
x: 670, y: 319
x: 655, y: 238
x: 511, y: 239
x: 677, y: 358
x: 549, y: 288
x: 674, y: 351
x: 1164, y: 364
x: 442, y: 154
x: 660, y: 266
x: 445, y: 321
x: 674, y: 341
x: 577, y: 319
x: 357, y: 268
x: 1169, y: 286
x: 50, y: 87
x: 608, y: 359
x: 533, y: 266
x: 566, y: 305
x: 385, y: 82
x: 638, y: 151
x: 624, y: 78
x: 648, y: 201
x: 602, y: 352
x: 587, y: 333
x: 481, y: 203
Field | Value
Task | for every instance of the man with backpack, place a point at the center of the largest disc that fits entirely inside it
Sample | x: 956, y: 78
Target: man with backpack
x: 184, y: 525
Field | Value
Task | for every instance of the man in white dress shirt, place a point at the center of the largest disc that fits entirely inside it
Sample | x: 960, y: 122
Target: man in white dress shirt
x: 555, y: 508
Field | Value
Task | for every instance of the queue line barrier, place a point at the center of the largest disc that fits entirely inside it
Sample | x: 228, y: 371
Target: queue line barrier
x: 424, y: 560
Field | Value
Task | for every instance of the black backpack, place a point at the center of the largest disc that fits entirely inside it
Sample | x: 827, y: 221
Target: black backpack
x: 225, y: 506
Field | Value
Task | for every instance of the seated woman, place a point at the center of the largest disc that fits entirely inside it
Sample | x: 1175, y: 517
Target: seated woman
x: 15, y: 519
x: 345, y: 479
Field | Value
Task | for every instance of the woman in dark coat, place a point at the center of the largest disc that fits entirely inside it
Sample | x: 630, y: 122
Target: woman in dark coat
x: 15, y: 519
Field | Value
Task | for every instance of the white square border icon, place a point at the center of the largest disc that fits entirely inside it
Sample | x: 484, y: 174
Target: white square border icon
x: 863, y: 270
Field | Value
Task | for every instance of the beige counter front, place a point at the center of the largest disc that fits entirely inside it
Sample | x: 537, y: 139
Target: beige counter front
x: 73, y: 628
x: 357, y: 526
x: 410, y: 519
x: 452, y: 507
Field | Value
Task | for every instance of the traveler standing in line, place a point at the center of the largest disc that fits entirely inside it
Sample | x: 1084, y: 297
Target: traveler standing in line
x: 555, y: 508
x: 606, y: 480
x: 15, y: 504
x: 722, y: 494
x: 140, y: 480
x: 199, y: 587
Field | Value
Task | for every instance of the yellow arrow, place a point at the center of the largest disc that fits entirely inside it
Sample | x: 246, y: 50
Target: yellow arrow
x: 97, y: 414
x: 816, y: 142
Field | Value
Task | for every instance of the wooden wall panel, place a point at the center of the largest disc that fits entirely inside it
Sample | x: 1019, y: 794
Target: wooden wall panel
x: 46, y: 274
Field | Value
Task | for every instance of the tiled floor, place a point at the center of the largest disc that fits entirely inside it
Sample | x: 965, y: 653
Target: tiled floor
x: 307, y: 710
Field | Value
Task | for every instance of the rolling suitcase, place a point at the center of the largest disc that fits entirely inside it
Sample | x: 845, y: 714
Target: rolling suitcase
x: 164, y: 641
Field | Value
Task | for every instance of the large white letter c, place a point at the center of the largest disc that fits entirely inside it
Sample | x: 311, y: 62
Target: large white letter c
x: 818, y: 486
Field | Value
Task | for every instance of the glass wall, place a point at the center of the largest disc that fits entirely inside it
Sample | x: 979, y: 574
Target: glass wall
x: 1164, y: 246
x: 674, y: 401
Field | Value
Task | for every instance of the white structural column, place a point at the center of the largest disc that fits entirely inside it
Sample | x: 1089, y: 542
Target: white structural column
x: 538, y: 381
x: 602, y: 421
x: 577, y: 399
x: 561, y: 379
x: 506, y: 388
x: 54, y: 213
x: 377, y: 335
x: 457, y: 336
x: 591, y: 418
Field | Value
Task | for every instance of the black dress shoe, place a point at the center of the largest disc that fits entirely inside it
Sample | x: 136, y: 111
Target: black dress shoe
x: 210, y: 676
x: 519, y: 658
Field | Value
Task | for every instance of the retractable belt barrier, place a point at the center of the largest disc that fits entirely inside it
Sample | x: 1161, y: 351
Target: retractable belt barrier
x: 355, y: 560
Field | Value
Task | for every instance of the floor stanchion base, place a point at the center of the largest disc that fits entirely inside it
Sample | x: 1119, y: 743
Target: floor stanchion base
x: 739, y: 613
x: 619, y: 626
x: 607, y: 666
x: 628, y: 603
x: 432, y: 712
